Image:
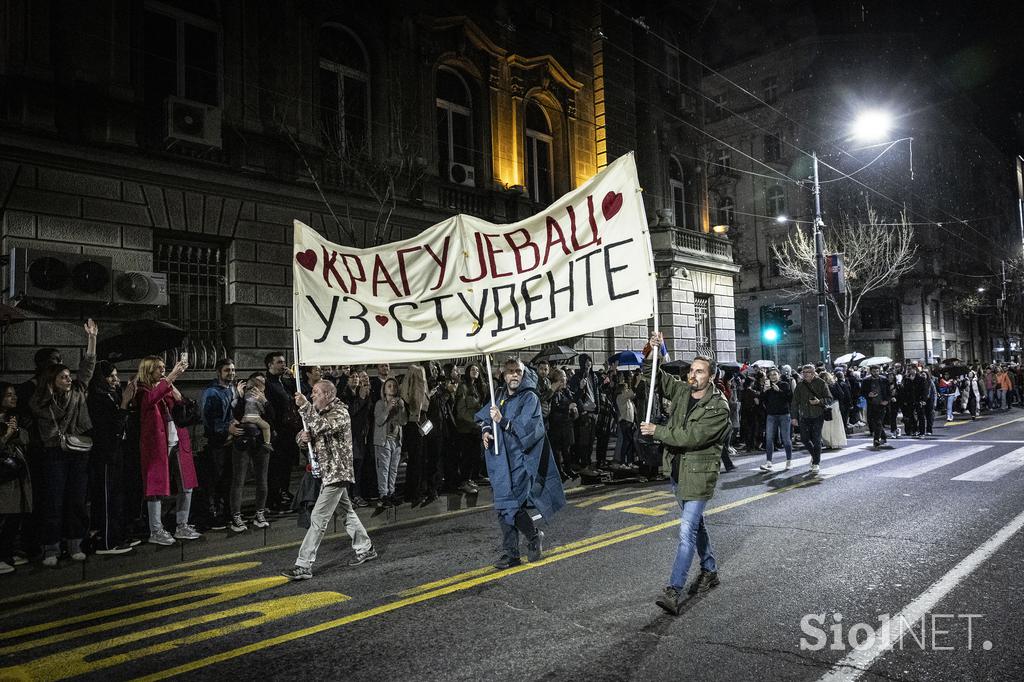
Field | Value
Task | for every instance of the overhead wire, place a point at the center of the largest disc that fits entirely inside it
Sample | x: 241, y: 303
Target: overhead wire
x: 778, y: 111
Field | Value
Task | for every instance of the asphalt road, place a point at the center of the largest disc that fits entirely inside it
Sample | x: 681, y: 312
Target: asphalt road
x: 927, y: 533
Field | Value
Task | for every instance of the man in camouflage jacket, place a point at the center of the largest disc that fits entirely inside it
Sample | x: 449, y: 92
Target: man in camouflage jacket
x: 328, y: 431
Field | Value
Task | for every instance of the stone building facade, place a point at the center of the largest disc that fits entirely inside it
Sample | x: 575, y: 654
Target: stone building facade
x: 183, y: 138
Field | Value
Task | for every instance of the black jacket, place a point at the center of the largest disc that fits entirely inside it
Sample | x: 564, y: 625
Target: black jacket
x: 108, y: 426
x: 878, y: 385
x: 777, y: 402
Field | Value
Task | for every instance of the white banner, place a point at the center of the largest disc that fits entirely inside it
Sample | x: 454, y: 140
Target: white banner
x: 466, y: 286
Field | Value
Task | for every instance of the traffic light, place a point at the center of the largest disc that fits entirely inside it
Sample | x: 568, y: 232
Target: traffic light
x: 775, y: 323
x: 771, y: 324
x: 784, y: 322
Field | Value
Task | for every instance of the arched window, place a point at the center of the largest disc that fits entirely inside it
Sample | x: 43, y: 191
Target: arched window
x: 677, y: 190
x: 454, y: 127
x: 726, y: 211
x: 776, y: 201
x: 344, y: 90
x: 538, y: 153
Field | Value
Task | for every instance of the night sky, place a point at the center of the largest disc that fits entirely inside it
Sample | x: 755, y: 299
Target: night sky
x: 978, y: 46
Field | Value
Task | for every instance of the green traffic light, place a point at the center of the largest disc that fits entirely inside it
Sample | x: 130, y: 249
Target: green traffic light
x: 770, y: 334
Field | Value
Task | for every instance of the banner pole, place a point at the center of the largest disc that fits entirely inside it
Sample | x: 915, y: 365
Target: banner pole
x: 295, y: 355
x: 490, y: 387
x: 654, y: 363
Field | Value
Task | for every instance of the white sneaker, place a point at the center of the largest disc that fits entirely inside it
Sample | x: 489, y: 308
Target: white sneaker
x: 789, y: 464
x: 161, y: 537
x: 50, y: 561
x: 186, y: 532
x: 78, y: 556
x: 260, y: 520
x: 5, y: 568
x: 767, y: 466
x: 814, y: 469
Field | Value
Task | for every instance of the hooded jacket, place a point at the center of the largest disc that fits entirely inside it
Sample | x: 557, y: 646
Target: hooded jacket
x: 524, y: 470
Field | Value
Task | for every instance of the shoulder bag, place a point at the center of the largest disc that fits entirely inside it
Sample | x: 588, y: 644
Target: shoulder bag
x: 69, y: 443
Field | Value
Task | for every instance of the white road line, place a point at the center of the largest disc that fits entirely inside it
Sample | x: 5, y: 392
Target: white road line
x: 997, y: 468
x: 800, y: 461
x: 933, y: 462
x: 857, y: 663
x: 880, y: 458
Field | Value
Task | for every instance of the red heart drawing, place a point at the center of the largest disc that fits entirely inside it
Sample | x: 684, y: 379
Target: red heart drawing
x: 382, y: 319
x: 611, y: 204
x: 307, y: 259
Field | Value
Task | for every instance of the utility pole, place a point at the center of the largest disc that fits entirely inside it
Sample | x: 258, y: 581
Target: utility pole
x: 819, y: 264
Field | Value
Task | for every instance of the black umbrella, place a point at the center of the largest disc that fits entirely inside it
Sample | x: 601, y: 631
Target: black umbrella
x: 676, y: 366
x: 554, y: 354
x: 139, y: 338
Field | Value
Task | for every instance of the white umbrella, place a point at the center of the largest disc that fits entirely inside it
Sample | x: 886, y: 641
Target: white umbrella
x: 848, y: 358
x: 877, y: 360
x: 763, y: 363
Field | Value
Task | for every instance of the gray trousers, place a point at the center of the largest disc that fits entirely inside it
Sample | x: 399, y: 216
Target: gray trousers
x: 331, y: 497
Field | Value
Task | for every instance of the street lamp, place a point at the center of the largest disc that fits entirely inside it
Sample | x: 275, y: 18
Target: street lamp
x: 872, y: 125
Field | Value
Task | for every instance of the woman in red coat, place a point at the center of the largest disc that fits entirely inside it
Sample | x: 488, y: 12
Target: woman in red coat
x: 165, y: 450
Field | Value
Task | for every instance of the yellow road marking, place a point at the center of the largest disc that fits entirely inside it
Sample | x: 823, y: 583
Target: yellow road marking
x: 657, y: 495
x: 443, y: 591
x: 172, y: 581
x: 607, y: 496
x: 209, y: 596
x: 236, y: 555
x: 84, y: 659
x: 647, y: 511
x: 988, y: 428
x: 491, y: 569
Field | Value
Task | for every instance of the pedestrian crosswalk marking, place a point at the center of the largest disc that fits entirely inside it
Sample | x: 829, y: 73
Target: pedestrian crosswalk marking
x: 996, y: 468
x: 933, y: 462
x: 872, y: 460
x: 801, y: 461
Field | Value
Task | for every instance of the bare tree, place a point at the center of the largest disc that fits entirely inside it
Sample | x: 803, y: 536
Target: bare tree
x: 876, y: 255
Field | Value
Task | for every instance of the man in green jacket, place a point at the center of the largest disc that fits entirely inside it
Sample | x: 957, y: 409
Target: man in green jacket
x: 694, y: 435
x: 811, y: 398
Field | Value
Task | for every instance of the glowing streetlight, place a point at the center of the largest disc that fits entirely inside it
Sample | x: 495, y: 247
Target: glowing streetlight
x: 781, y: 219
x: 981, y: 290
x: 872, y: 125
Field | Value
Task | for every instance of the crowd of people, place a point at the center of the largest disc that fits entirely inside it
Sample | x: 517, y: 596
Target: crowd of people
x: 891, y: 400
x: 92, y: 463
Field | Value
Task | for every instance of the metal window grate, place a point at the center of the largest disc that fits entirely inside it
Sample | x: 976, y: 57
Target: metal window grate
x: 702, y: 324
x: 196, y: 281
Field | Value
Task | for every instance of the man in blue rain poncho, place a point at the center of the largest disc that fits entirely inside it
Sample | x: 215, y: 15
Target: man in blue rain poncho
x: 523, y: 473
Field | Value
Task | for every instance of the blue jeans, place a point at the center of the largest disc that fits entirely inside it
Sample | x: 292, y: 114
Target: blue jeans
x: 784, y: 424
x: 693, y: 536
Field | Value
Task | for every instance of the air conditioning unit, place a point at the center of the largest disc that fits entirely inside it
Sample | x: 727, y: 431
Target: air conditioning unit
x: 139, y: 288
x: 55, y: 276
x: 192, y: 122
x: 461, y: 174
